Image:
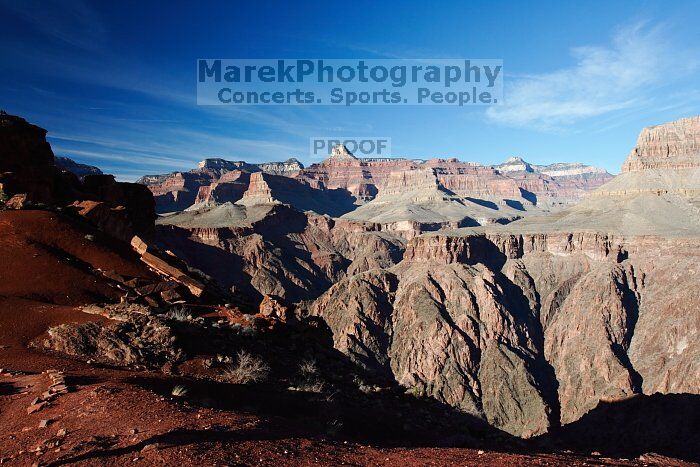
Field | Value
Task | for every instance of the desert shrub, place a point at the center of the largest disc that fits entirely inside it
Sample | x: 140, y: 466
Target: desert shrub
x: 247, y: 369
x: 312, y: 385
x: 309, y: 378
x: 308, y: 367
x: 362, y: 386
x: 179, y: 314
x: 179, y: 391
x: 417, y: 391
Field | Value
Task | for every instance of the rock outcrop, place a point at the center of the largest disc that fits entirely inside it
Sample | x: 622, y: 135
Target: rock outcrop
x: 28, y: 169
x: 27, y: 164
x: 135, y: 199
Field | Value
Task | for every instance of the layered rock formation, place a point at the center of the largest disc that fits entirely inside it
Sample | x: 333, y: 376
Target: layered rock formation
x: 362, y: 178
x: 273, y: 249
x: 557, y: 183
x: 416, y: 200
x: 548, y: 187
x: 538, y: 322
x: 178, y: 191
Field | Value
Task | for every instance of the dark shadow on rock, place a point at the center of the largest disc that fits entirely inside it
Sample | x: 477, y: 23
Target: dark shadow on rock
x: 667, y: 424
x: 544, y: 376
x: 174, y: 438
x: 528, y: 195
x: 483, y: 202
x: 334, y: 202
x: 8, y: 389
x: 630, y: 301
x: 468, y: 222
x: 83, y: 380
x: 482, y: 250
x: 515, y: 204
x: 226, y: 268
x: 380, y: 412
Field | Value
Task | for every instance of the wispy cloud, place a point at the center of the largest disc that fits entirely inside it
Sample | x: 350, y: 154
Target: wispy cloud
x: 604, y: 80
x: 72, y: 22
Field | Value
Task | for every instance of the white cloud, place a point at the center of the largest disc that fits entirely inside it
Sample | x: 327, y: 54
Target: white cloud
x: 604, y: 80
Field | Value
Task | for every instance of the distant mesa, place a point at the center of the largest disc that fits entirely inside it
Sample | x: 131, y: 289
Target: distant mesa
x: 222, y: 165
x: 340, y: 152
x: 515, y: 164
x: 672, y: 145
x: 657, y: 193
x: 76, y: 168
x: 436, y: 191
x: 560, y: 169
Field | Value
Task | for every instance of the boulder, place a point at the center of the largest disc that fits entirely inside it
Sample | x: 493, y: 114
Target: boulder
x: 19, y: 201
x: 272, y: 307
x: 114, y: 221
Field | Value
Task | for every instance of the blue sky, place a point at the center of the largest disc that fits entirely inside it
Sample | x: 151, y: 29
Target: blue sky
x: 114, y: 82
